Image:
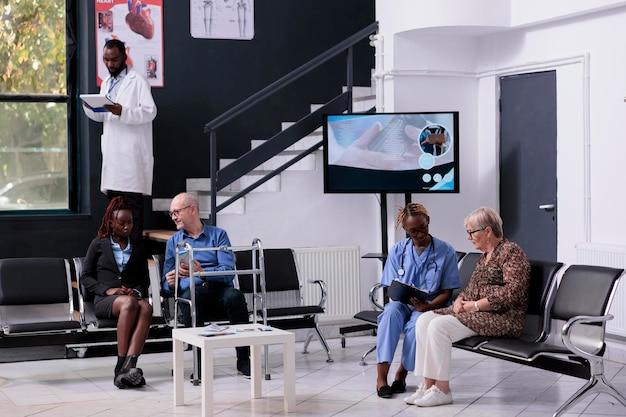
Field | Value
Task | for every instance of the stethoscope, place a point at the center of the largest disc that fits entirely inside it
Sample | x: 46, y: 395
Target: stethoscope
x: 431, y: 253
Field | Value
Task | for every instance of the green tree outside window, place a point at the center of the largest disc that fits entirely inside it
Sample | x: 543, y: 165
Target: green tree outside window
x: 33, y: 105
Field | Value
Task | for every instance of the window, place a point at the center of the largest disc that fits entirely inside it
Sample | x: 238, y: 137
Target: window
x: 34, y: 105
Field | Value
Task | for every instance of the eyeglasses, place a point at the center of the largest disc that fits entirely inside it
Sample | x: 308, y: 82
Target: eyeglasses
x: 176, y: 213
x: 471, y: 232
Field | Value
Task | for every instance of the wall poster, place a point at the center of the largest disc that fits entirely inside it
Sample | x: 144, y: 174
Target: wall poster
x: 137, y: 23
x: 222, y: 19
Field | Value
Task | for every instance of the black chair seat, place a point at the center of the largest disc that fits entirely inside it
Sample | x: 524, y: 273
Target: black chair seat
x: 50, y: 326
x: 472, y: 342
x: 294, y: 311
x: 370, y: 316
x: 523, y: 349
x: 293, y: 323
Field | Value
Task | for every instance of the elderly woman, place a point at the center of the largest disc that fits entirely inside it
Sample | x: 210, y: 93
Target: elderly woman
x: 493, y: 304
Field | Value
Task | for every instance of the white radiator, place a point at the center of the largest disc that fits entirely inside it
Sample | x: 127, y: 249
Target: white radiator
x: 339, y: 268
x: 612, y: 256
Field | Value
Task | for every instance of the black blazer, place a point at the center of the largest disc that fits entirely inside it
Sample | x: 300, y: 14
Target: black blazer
x: 100, y: 271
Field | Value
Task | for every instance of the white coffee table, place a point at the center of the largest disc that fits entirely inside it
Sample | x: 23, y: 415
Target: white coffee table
x: 249, y: 336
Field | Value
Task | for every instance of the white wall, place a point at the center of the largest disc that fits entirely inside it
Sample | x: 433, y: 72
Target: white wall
x: 303, y: 216
x: 463, y: 69
x: 456, y: 65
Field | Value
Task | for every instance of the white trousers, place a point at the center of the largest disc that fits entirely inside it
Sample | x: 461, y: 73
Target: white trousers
x: 435, y: 334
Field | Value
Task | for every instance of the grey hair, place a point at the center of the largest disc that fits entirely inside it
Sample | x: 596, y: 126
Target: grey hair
x: 485, y: 217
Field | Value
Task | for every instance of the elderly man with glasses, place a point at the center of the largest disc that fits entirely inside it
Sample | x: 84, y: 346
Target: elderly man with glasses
x: 216, y: 295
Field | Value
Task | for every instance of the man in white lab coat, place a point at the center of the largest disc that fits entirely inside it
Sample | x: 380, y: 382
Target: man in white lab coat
x: 127, y: 157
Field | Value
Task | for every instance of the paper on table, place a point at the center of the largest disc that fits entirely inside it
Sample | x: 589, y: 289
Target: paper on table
x: 216, y: 329
x: 95, y: 102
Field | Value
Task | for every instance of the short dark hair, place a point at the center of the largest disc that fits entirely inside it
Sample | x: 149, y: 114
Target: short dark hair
x: 116, y: 44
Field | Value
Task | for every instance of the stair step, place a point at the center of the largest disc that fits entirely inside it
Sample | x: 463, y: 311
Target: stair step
x: 301, y: 145
x: 305, y: 164
x: 161, y: 204
x: 204, y: 184
x: 364, y: 98
x: 204, y: 201
x: 360, y: 92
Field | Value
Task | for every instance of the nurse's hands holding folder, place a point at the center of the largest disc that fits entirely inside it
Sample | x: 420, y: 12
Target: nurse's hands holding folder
x: 419, y: 305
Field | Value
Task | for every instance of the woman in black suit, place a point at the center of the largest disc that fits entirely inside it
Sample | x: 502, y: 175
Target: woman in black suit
x: 116, y: 271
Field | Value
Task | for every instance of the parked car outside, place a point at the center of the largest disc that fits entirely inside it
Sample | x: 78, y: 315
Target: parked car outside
x: 43, y: 191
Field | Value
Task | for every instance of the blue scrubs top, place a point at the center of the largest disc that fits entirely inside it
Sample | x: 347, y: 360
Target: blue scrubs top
x: 434, y: 270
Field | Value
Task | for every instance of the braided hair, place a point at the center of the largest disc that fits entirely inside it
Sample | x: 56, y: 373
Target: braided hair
x: 116, y: 204
x: 411, y: 209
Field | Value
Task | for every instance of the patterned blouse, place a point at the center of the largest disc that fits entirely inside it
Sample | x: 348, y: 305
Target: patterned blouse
x: 504, y: 282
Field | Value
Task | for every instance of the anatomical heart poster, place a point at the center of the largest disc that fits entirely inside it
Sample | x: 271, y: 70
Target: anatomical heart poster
x: 222, y: 19
x: 139, y: 24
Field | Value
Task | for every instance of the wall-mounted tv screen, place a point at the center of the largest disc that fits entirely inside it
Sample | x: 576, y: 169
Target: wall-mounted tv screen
x: 391, y: 152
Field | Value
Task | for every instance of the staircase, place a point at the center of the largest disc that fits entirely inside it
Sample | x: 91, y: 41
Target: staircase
x: 363, y: 100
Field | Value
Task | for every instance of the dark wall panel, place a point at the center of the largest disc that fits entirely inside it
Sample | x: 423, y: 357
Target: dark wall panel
x: 203, y: 78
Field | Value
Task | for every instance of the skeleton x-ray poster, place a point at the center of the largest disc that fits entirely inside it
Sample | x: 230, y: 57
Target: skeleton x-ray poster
x: 222, y: 19
x: 137, y: 23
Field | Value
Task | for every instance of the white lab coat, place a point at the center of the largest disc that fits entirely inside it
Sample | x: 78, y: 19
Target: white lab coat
x: 126, y: 142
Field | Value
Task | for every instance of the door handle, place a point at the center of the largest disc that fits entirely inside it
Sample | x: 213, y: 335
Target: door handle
x: 546, y: 207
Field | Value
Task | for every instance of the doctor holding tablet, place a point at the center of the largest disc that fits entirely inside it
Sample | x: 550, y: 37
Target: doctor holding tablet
x: 127, y: 156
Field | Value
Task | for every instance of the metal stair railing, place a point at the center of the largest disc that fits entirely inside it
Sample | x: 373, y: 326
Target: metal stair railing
x: 220, y: 178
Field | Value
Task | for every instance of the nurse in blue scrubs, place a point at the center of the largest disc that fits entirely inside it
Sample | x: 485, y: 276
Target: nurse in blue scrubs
x: 427, y: 263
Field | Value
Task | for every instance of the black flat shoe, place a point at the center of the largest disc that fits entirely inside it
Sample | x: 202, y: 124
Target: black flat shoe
x: 398, y: 387
x: 385, y: 391
x: 130, y: 379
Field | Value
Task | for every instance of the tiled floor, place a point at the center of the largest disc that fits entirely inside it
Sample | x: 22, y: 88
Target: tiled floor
x: 481, y: 387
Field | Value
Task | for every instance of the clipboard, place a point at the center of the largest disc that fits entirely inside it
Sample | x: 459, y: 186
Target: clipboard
x: 402, y: 292
x: 96, y: 102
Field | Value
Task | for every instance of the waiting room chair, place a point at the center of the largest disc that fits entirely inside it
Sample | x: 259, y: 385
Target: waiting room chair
x: 582, y: 302
x: 283, y: 303
x: 36, y: 299
x: 543, y: 275
x: 467, y: 264
x: 103, y: 331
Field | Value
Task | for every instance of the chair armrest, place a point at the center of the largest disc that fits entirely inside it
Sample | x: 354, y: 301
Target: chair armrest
x: 588, y: 345
x: 373, y: 299
x: 323, y: 291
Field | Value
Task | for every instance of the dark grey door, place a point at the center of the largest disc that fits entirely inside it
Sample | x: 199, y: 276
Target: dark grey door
x: 528, y: 162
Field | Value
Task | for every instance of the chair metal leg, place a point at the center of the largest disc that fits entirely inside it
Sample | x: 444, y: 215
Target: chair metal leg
x: 597, y: 384
x: 266, y: 363
x: 309, y: 337
x: 196, y: 368
x: 370, y: 350
x: 322, y: 339
x: 323, y: 342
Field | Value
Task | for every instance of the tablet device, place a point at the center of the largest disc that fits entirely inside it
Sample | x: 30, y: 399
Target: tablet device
x: 183, y: 256
x: 96, y: 102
